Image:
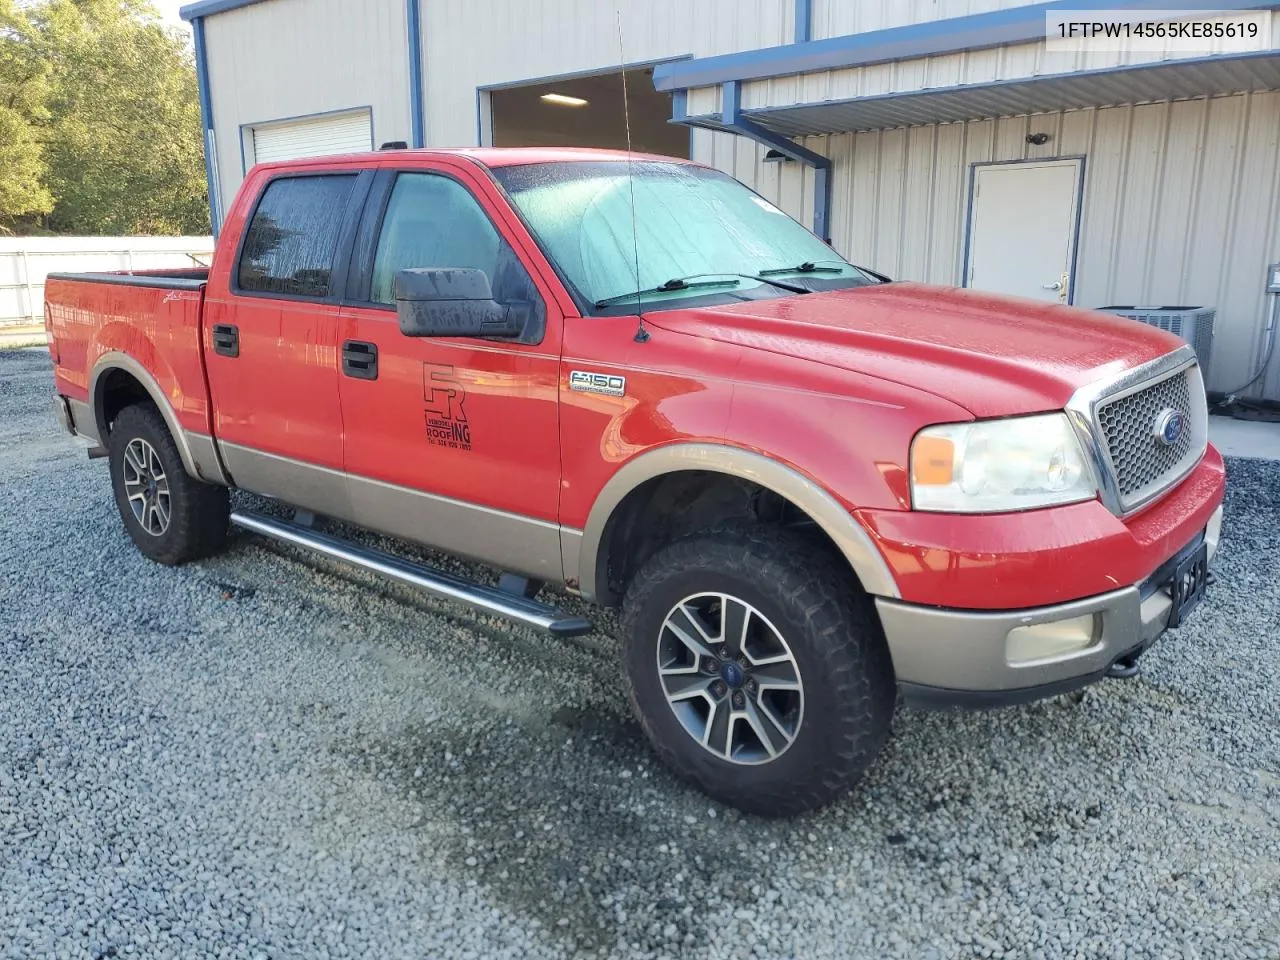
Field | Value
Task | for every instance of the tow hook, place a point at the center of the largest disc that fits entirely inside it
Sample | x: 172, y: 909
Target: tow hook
x: 1126, y: 668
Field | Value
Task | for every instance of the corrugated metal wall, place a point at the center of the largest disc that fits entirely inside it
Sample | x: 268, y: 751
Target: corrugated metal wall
x: 291, y: 58
x: 1181, y: 203
x: 1019, y: 61
x: 835, y: 18
x: 528, y: 41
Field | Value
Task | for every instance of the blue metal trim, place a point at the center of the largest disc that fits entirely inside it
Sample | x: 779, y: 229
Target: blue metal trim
x: 416, y: 115
x: 366, y: 107
x: 479, y: 117
x: 206, y: 117
x: 207, y: 8
x: 733, y: 121
x: 731, y: 116
x: 1075, y: 247
x: 804, y: 21
x: 968, y: 226
x: 953, y: 35
x: 1042, y: 78
x: 1079, y: 218
x: 679, y: 106
x: 679, y: 113
x: 592, y: 72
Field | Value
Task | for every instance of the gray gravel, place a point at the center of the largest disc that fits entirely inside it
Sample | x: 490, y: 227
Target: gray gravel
x: 266, y: 756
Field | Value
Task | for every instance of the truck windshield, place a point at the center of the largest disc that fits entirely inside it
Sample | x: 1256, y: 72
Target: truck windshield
x: 689, y: 221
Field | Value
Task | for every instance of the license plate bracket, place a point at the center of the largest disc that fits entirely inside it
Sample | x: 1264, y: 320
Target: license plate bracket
x: 1189, y: 584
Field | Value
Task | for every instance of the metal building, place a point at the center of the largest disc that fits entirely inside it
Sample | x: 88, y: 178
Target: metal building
x: 935, y: 140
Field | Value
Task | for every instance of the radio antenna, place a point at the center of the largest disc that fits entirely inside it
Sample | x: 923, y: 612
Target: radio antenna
x: 642, y: 335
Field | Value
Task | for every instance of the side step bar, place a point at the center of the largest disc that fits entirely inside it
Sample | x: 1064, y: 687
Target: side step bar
x: 437, y: 583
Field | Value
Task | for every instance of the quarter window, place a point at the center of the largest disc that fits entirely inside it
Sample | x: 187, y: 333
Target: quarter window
x: 290, y: 244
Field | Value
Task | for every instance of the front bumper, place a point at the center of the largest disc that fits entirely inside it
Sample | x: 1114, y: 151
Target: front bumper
x: 949, y: 657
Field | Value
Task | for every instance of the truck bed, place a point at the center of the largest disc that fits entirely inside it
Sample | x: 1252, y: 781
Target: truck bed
x: 150, y: 317
x: 188, y: 278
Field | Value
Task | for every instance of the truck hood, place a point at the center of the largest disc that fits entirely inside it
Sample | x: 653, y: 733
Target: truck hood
x: 992, y: 355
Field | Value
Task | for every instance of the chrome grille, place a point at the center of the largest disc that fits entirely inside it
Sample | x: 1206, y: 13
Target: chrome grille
x: 1142, y: 463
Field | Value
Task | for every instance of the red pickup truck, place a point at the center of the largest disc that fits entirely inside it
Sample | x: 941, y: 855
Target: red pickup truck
x: 634, y: 379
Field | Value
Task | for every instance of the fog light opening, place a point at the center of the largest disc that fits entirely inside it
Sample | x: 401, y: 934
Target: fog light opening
x: 1052, y: 640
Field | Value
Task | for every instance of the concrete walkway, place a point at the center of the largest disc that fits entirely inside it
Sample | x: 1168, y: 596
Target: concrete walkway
x: 1245, y: 438
x: 27, y: 336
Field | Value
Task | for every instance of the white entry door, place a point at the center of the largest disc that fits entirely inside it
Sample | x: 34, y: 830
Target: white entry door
x: 1022, y: 233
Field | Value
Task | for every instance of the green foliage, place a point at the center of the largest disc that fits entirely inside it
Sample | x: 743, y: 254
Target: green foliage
x: 23, y: 91
x: 110, y: 118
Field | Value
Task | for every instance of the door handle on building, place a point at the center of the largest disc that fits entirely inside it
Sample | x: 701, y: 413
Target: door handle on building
x: 1060, y: 285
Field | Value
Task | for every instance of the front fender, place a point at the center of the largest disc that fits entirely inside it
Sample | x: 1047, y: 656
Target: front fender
x: 801, y: 491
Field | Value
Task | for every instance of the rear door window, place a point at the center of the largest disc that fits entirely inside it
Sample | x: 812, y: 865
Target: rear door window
x: 290, y: 245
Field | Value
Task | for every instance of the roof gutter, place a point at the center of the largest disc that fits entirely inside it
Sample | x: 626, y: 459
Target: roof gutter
x: 954, y: 35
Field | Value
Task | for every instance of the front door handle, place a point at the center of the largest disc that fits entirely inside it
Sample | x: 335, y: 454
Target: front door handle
x: 226, y: 340
x: 360, y: 359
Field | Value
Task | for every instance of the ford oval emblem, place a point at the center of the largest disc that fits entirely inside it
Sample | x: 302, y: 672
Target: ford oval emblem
x: 1170, y: 425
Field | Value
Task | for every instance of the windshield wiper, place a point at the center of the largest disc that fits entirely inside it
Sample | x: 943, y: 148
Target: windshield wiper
x: 675, y: 283
x: 696, y: 280
x: 809, y: 266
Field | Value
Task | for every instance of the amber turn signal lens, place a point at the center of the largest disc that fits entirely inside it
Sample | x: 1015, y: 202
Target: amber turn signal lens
x: 932, y: 460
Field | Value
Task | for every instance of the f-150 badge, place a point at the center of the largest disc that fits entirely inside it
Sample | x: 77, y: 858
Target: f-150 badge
x: 584, y: 381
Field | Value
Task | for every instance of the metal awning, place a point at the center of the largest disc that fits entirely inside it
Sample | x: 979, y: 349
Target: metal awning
x: 1146, y: 83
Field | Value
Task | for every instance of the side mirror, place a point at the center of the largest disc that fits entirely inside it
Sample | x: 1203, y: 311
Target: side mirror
x: 452, y: 302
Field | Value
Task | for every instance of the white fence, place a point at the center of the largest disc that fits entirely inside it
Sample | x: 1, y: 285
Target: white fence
x: 26, y: 261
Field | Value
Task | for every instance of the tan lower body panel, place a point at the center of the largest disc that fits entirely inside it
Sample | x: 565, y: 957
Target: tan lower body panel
x: 204, y: 455
x: 82, y: 421
x: 505, y: 540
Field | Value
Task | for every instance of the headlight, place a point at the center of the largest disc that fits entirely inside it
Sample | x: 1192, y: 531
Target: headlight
x: 996, y: 466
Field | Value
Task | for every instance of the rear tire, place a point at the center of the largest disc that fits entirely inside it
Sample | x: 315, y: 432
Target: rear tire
x: 170, y: 516
x: 809, y: 690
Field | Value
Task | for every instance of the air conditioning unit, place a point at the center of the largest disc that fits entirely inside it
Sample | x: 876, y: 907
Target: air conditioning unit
x: 1192, y: 324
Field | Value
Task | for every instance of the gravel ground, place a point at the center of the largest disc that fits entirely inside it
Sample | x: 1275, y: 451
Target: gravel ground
x: 266, y: 756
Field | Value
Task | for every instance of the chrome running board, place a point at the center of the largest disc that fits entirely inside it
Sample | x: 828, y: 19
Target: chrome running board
x: 437, y: 583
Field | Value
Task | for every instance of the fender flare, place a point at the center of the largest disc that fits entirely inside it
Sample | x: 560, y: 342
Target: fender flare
x: 838, y: 523
x: 206, y: 467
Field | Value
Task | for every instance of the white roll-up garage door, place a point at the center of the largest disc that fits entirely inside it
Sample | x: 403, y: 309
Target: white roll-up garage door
x: 317, y: 137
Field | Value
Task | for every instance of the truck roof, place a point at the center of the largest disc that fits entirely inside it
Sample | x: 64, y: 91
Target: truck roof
x: 488, y: 156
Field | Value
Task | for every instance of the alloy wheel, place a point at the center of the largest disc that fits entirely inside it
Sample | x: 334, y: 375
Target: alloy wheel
x: 730, y: 678
x: 147, y: 487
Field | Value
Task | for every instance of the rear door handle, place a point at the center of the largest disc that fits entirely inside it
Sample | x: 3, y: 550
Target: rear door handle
x: 226, y: 340
x: 360, y: 359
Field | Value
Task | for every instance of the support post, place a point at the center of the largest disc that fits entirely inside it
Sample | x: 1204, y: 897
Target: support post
x: 732, y: 118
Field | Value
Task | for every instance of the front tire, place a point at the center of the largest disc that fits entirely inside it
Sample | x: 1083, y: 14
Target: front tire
x: 171, y: 517
x: 757, y: 668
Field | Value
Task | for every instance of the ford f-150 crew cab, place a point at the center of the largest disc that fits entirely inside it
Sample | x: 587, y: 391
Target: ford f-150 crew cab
x: 634, y: 379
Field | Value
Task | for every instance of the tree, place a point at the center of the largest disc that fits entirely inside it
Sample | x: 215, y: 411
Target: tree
x: 121, y: 137
x: 23, y: 93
